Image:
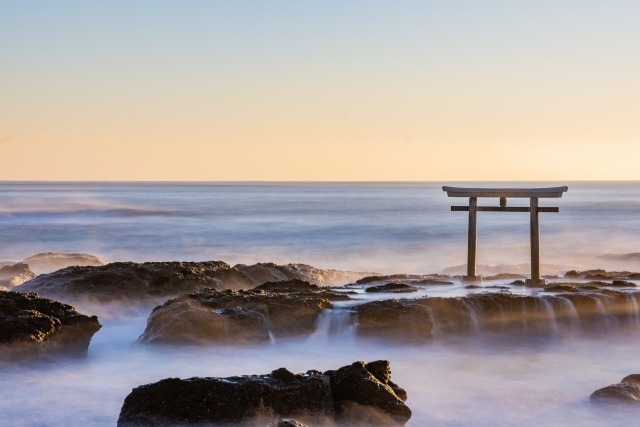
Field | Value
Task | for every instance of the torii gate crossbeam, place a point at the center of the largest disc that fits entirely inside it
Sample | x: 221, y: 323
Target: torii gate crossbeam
x: 532, y: 193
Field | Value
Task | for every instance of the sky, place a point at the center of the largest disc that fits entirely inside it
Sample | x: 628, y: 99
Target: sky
x: 319, y: 91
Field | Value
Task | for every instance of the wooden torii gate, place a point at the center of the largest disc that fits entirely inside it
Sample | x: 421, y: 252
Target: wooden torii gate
x: 532, y: 193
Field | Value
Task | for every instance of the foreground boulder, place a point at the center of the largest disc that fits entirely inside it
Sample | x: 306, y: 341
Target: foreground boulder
x: 626, y: 392
x: 352, y: 394
x: 15, y: 275
x: 289, y: 308
x: 32, y: 326
x: 160, y: 280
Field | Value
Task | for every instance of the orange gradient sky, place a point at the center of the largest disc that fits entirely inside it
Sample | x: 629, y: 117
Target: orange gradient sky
x: 208, y: 91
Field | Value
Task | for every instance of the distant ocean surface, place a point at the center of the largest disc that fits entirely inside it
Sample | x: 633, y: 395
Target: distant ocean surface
x: 382, y: 227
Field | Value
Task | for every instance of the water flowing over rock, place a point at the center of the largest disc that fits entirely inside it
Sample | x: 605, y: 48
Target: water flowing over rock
x: 15, y: 275
x: 32, y: 326
x: 352, y: 394
x: 153, y: 280
x: 497, y: 312
x: 626, y: 392
x: 278, y: 309
x: 52, y: 261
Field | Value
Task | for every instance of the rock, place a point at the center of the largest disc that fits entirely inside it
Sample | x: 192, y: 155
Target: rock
x: 626, y: 392
x: 504, y: 276
x: 52, y: 261
x: 231, y: 400
x: 360, y: 395
x: 15, y: 275
x: 247, y: 316
x: 394, y: 319
x: 351, y: 394
x: 430, y: 282
x: 560, y: 288
x: 151, y: 281
x: 623, y: 283
x: 473, y: 287
x: 132, y: 281
x: 392, y: 287
x: 287, y: 423
x: 32, y: 326
x: 518, y: 282
x: 270, y: 272
x: 572, y: 274
x: 381, y: 369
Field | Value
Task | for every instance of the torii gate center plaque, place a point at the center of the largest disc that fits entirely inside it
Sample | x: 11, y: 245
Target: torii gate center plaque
x: 502, y: 193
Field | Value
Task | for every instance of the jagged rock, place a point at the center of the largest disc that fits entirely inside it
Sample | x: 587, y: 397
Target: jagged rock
x: 356, y: 391
x: 52, y: 261
x: 314, y: 397
x: 32, y: 326
x: 394, y: 319
x: 625, y: 392
x: 15, y: 275
x: 392, y: 287
x: 240, y: 316
x: 381, y: 369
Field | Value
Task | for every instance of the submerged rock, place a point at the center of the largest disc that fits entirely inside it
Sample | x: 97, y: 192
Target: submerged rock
x: 626, y: 392
x: 52, y: 261
x: 32, y: 326
x: 279, y: 308
x: 392, y: 287
x: 351, y: 393
x: 15, y: 275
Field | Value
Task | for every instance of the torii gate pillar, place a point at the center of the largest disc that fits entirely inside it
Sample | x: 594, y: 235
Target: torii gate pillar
x: 532, y: 193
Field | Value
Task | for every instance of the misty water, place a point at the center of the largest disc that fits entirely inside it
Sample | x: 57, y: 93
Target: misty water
x: 476, y: 379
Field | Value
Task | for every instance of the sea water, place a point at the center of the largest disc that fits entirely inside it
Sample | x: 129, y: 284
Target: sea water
x: 379, y: 227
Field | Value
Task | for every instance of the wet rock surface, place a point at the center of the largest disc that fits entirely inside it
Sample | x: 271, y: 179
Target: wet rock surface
x: 289, y: 308
x: 351, y: 393
x: 626, y: 392
x: 392, y: 287
x: 269, y: 272
x: 153, y: 280
x: 14, y: 275
x: 32, y: 326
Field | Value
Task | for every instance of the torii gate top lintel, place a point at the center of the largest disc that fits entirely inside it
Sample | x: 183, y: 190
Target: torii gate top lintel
x: 505, y: 192
x: 532, y: 193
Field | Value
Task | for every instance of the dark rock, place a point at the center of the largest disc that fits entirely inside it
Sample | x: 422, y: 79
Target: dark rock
x: 373, y: 279
x: 627, y: 392
x: 354, y: 392
x: 394, y: 319
x: 517, y: 282
x: 381, y: 369
x: 589, y: 288
x: 504, y: 276
x: 231, y: 400
x: 237, y: 316
x: 14, y: 275
x: 430, y: 282
x: 473, y: 287
x: 287, y: 423
x: 269, y: 272
x: 633, y: 379
x: 623, y: 283
x: 392, y: 287
x: 560, y: 288
x: 160, y: 280
x: 31, y: 326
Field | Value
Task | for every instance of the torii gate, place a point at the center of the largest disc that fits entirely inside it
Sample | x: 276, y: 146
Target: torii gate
x: 503, y: 193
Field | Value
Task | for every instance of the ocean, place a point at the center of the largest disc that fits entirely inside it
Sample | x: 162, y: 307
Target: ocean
x: 377, y: 227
